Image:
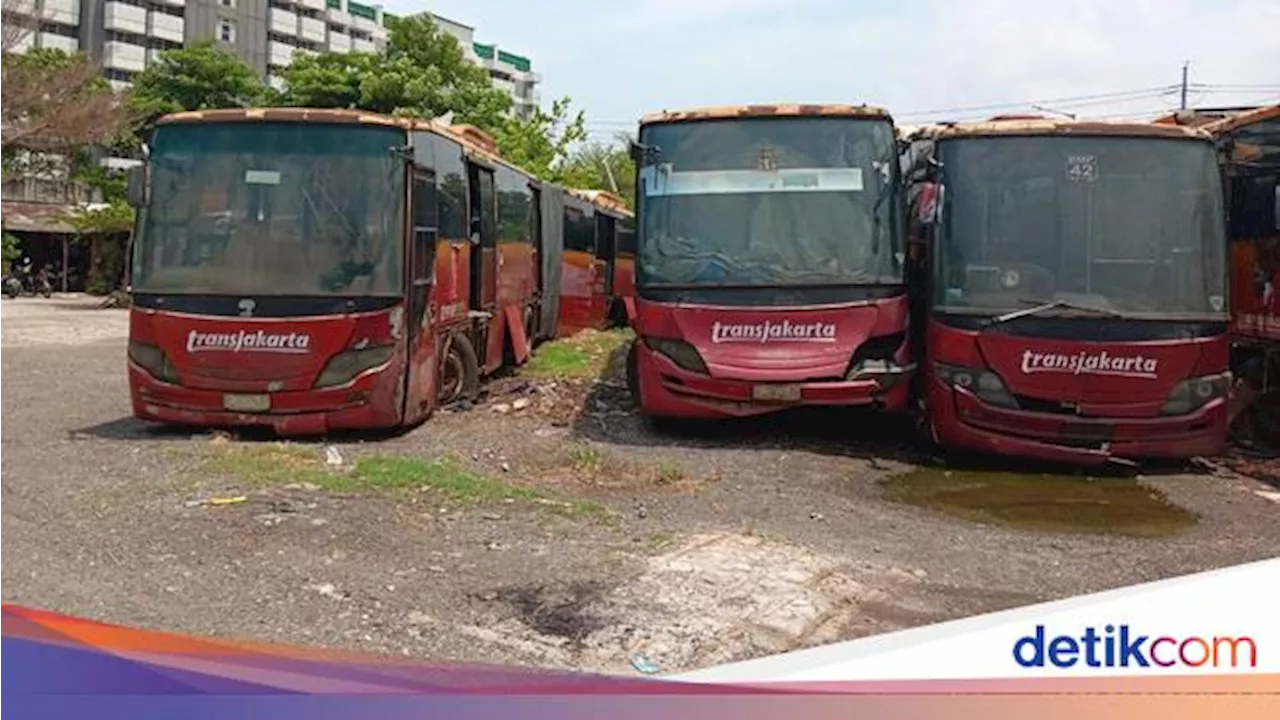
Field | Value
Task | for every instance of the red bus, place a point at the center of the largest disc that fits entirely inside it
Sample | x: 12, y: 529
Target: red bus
x: 1250, y: 144
x: 1075, y: 291
x: 770, y: 260
x: 598, y: 281
x: 313, y: 270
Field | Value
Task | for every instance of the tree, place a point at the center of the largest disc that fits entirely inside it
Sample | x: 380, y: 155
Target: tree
x: 102, y: 225
x: 422, y: 73
x: 603, y: 166
x: 197, y: 77
x: 10, y: 248
x: 54, y: 101
x: 541, y: 143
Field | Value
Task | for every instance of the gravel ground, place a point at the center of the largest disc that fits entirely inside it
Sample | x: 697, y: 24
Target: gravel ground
x: 722, y: 543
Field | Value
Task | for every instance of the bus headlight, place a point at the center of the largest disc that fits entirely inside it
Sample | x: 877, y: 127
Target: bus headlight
x: 985, y: 384
x: 679, y: 352
x: 153, y: 360
x: 343, y: 367
x: 1194, y: 393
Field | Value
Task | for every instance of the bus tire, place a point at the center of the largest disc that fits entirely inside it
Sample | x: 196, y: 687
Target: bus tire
x: 459, y: 372
x: 633, y: 372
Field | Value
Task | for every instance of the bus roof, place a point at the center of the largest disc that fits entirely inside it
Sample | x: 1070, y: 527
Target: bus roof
x: 749, y: 111
x: 602, y: 199
x: 1235, y: 122
x: 1043, y: 126
x: 472, y: 139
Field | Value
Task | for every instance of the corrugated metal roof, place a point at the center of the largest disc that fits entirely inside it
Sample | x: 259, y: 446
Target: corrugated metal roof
x: 37, y: 217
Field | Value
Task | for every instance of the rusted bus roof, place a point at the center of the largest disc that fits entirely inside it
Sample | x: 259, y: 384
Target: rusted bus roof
x: 1050, y: 127
x: 1236, y: 122
x: 779, y: 110
x: 471, y: 138
x: 602, y: 199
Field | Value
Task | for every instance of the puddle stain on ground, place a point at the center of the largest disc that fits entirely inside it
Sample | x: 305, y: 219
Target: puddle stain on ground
x: 1050, y: 503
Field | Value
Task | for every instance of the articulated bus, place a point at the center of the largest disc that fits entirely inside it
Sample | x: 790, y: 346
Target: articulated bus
x: 311, y: 270
x: 1250, y: 152
x: 1074, y: 289
x: 770, y: 262
x: 598, y: 281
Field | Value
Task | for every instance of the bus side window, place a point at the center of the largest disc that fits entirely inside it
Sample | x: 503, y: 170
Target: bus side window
x: 425, y: 227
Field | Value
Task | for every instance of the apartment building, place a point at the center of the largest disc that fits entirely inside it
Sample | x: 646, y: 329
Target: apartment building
x: 125, y: 35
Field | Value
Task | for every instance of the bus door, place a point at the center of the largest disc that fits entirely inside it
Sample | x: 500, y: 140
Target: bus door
x: 484, y: 263
x: 602, y: 281
x: 423, y: 236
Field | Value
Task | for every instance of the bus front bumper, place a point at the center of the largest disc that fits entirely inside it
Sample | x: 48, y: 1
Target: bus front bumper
x: 369, y: 402
x: 962, y: 421
x: 667, y: 390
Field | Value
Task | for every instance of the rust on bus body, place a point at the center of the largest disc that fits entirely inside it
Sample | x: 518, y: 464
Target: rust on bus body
x: 472, y: 139
x: 779, y: 110
x: 602, y: 199
x: 1023, y: 127
x: 1244, y: 119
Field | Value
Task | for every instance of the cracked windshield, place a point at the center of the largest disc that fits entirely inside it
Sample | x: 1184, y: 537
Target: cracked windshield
x: 1131, y: 225
x: 286, y: 209
x: 769, y: 202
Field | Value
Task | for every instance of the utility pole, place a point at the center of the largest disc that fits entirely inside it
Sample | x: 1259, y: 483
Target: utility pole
x: 1185, y: 65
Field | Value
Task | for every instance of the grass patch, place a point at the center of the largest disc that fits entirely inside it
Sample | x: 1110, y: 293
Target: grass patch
x: 280, y: 464
x: 587, y: 354
x: 1051, y: 503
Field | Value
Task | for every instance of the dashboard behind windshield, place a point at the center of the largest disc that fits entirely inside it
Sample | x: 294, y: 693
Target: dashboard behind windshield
x: 1128, y: 225
x: 769, y: 202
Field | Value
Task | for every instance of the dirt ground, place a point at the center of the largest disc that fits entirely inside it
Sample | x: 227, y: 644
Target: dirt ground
x: 546, y: 526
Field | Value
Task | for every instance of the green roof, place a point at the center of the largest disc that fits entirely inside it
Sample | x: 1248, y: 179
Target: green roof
x: 367, y: 12
x: 335, y: 4
x: 484, y: 51
x: 520, y: 63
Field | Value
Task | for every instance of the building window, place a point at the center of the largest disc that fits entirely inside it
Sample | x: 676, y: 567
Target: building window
x: 227, y: 31
x: 227, y: 3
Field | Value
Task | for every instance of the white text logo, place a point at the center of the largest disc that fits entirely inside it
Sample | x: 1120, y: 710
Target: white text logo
x: 1084, y: 363
x: 260, y: 341
x: 768, y: 331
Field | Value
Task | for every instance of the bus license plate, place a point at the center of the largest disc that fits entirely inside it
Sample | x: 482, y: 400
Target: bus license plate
x: 246, y: 403
x: 775, y: 392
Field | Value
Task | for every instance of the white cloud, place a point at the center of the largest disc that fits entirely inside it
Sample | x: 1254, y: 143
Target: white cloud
x: 620, y: 59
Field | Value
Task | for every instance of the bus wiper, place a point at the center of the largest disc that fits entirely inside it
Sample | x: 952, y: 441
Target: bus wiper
x: 1047, y: 305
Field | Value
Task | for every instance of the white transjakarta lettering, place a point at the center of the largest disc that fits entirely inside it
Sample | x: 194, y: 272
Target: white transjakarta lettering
x: 259, y: 341
x: 769, y: 331
x: 1085, y: 363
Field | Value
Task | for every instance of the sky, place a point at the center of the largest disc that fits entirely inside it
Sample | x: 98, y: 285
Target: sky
x: 618, y: 59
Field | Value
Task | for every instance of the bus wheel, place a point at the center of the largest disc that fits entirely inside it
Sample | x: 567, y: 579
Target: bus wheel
x: 459, y: 372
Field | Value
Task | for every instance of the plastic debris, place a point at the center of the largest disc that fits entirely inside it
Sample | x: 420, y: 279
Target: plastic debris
x: 332, y: 456
x: 643, y: 664
x: 218, y: 501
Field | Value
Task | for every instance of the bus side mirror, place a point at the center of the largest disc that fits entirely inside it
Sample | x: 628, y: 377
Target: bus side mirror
x: 137, y: 186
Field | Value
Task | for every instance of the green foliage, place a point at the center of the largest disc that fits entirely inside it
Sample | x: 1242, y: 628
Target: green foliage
x: 198, y: 77
x: 541, y: 143
x: 10, y: 249
x: 54, y: 102
x: 423, y: 73
x: 599, y: 166
x: 108, y: 218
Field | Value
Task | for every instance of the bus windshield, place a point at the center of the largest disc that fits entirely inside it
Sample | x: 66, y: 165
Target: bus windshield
x: 272, y: 209
x: 769, y: 202
x: 1123, y: 224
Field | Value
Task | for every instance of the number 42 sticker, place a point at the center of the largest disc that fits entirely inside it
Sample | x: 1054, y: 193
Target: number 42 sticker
x: 1082, y: 168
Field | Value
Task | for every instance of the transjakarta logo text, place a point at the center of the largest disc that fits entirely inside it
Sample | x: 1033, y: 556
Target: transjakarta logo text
x: 1085, y: 363
x: 768, y: 331
x: 1122, y: 647
x: 260, y: 341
